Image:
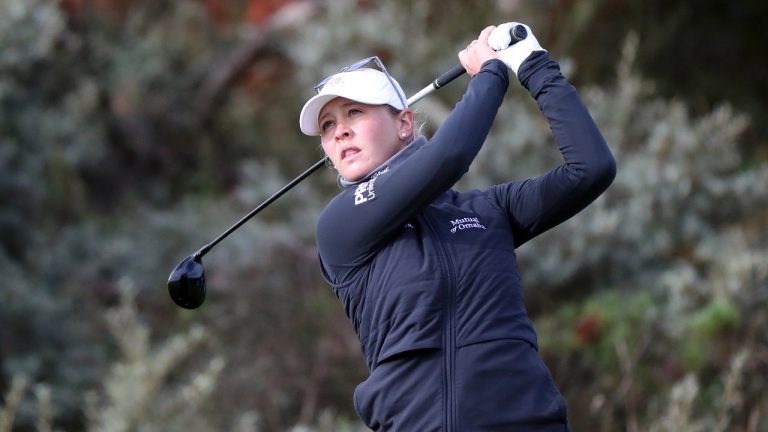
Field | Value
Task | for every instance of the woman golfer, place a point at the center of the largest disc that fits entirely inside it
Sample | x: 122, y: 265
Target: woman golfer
x: 427, y: 275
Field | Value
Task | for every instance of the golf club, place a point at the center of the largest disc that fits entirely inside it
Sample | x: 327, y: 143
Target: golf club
x: 186, y: 284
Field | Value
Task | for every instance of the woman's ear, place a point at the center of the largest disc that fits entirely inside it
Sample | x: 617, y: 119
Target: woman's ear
x: 405, y: 117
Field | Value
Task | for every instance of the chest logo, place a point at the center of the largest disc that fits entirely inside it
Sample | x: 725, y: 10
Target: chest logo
x: 466, y: 224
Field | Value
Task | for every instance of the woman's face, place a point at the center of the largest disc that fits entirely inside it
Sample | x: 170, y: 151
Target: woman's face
x: 359, y: 137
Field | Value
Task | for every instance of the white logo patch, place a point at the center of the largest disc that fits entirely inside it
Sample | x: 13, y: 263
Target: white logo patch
x: 466, y: 223
x: 364, y: 191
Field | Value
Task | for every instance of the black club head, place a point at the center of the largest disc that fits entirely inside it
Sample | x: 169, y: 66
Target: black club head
x: 186, y: 284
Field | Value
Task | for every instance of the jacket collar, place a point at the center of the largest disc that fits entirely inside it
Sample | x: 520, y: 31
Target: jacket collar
x: 391, y: 162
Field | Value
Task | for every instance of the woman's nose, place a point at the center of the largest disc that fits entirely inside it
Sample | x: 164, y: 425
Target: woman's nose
x: 342, y: 130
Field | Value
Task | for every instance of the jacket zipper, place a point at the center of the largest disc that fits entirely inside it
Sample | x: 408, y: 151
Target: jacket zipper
x: 449, y: 328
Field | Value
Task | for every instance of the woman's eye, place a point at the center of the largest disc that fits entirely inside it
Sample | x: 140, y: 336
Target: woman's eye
x: 324, y: 126
x: 354, y: 111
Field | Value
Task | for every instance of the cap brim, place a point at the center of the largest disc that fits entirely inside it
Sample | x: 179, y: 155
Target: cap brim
x: 311, y: 112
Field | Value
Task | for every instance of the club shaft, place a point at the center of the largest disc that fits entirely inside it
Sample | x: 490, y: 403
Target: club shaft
x: 204, y: 250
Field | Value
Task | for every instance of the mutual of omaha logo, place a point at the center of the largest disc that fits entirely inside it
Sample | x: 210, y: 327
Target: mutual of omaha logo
x: 465, y: 224
x: 365, y: 191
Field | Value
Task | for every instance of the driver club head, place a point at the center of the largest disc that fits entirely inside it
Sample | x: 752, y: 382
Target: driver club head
x: 186, y: 284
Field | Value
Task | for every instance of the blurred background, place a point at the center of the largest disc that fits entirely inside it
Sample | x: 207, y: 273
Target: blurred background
x: 133, y: 132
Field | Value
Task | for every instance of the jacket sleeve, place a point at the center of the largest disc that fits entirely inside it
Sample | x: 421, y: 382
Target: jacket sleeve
x: 538, y: 204
x: 358, y: 221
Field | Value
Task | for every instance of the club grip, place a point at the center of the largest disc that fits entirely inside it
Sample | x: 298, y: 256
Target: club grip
x: 516, y: 34
x: 448, y: 76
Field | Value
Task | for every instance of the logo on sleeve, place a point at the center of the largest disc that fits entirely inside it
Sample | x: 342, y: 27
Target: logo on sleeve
x: 365, y: 192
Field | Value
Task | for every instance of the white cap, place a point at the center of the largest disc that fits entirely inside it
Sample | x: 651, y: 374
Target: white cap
x: 368, y: 86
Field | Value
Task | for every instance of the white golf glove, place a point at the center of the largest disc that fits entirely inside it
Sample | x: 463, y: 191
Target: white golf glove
x: 513, y: 56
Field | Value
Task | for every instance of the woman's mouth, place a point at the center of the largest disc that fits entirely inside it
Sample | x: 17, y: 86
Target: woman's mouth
x: 349, y: 152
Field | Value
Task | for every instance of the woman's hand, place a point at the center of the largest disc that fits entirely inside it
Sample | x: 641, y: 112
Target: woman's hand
x: 477, y: 52
x: 513, y: 55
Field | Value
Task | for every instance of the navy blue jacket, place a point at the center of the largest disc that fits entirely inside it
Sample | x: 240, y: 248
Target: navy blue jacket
x: 428, y: 276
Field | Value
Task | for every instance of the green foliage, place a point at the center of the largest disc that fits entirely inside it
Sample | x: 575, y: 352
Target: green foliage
x: 11, y: 403
x: 140, y: 389
x: 117, y: 162
x: 38, y: 21
x: 716, y: 320
x: 48, y: 338
x: 673, y: 231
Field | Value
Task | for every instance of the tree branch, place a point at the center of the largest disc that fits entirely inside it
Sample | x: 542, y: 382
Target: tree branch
x: 225, y: 73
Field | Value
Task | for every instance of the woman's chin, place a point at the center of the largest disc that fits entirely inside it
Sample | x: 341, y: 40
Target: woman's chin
x: 353, y: 173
